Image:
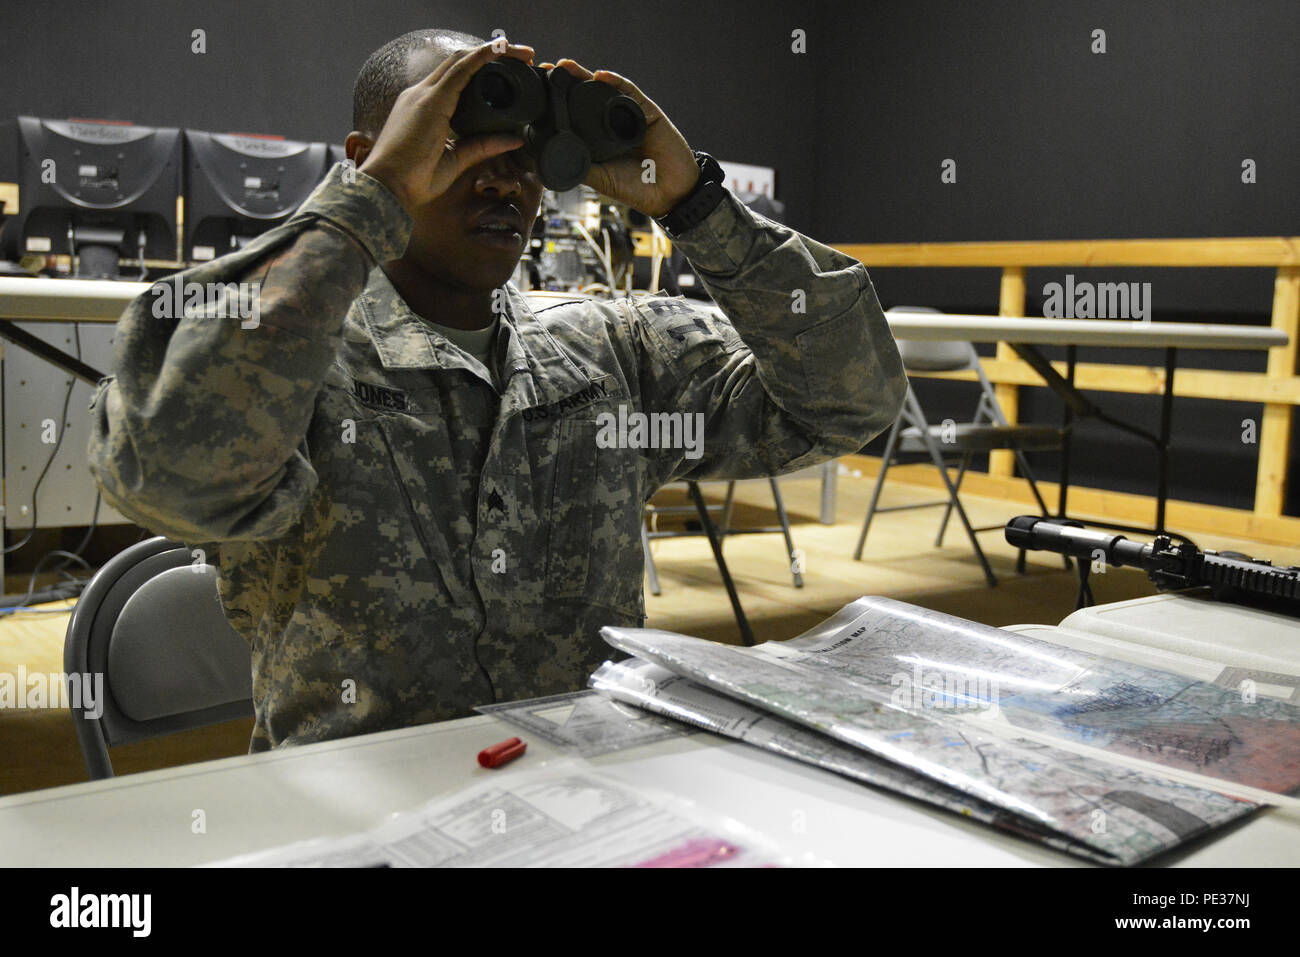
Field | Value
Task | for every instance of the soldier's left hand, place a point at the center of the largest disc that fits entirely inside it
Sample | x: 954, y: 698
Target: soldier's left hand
x: 624, y: 178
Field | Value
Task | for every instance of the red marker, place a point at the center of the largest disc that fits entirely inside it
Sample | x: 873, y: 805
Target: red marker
x: 502, y: 753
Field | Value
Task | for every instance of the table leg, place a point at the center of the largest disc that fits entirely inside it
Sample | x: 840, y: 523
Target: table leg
x: 1162, y: 448
x: 830, y: 476
x: 1078, y: 406
x: 1067, y: 421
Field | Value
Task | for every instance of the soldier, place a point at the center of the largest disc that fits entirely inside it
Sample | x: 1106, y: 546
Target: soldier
x: 411, y: 485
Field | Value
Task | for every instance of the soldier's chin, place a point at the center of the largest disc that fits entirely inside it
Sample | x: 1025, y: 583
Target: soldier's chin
x: 490, y: 275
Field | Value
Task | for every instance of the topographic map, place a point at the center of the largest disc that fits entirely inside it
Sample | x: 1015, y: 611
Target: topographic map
x: 980, y: 721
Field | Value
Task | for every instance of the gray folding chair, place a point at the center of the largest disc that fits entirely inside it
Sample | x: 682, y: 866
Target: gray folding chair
x: 723, y: 530
x: 151, y: 623
x: 988, y: 430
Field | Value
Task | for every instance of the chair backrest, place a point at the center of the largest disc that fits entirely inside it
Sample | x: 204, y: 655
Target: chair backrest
x: 946, y: 355
x: 150, y: 623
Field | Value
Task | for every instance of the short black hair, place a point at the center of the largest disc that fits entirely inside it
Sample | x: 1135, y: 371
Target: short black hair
x: 384, y: 74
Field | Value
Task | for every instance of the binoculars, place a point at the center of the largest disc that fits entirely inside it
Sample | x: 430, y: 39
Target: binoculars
x: 567, y: 123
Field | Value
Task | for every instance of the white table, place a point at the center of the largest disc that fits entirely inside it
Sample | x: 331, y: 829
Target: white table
x: 96, y: 300
x: 341, y: 787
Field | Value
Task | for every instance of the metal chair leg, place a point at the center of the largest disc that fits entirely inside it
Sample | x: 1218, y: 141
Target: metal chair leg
x: 785, y: 530
x: 830, y: 476
x: 947, y: 511
x: 746, y: 635
x: 650, y: 569
x: 727, y: 503
x: 885, y: 461
x: 937, y: 457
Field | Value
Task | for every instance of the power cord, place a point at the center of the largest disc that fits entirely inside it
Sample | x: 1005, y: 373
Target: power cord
x: 74, y: 586
x: 58, y: 443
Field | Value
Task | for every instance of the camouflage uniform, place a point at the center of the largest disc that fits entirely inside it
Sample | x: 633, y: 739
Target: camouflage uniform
x: 383, y: 519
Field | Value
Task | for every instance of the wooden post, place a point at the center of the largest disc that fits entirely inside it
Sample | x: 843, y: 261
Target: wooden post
x: 1011, y: 302
x: 1275, y: 432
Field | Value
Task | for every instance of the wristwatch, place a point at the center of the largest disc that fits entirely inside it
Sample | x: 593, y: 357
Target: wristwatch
x: 709, y: 191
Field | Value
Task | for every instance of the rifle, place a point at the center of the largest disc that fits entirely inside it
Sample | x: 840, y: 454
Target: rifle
x: 1230, y: 576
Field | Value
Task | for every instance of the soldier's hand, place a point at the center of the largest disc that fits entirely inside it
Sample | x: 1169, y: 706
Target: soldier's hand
x: 653, y: 188
x: 415, y: 154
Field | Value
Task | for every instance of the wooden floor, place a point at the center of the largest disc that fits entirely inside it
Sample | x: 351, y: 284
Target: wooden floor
x: 899, y: 561
x: 39, y: 749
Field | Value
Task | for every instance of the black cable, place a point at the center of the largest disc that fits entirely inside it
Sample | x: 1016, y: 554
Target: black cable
x: 73, y: 585
x: 85, y: 540
x: 56, y: 592
x: 63, y: 419
x: 29, y: 597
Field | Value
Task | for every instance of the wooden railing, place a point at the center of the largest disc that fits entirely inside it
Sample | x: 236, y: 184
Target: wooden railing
x: 1278, y: 388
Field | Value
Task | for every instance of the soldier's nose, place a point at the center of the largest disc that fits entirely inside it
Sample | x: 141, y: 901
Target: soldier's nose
x: 497, y: 178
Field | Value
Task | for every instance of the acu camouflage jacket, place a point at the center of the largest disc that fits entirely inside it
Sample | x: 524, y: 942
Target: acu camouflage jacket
x: 397, y: 540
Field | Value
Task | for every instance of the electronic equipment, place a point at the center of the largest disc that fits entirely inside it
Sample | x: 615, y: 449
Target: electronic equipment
x: 239, y: 185
x: 567, y: 123
x: 1230, y: 576
x: 582, y: 243
x: 96, y: 190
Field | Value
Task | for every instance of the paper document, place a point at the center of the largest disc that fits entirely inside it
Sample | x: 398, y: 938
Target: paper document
x: 586, y: 723
x: 561, y: 815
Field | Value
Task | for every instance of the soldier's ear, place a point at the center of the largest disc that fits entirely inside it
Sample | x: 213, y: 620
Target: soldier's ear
x: 358, y: 146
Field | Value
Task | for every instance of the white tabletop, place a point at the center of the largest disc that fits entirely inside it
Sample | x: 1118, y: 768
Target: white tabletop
x: 1082, y: 332
x: 91, y: 300
x: 342, y: 787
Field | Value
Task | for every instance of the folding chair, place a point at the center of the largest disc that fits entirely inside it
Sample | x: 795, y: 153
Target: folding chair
x: 723, y: 530
x: 151, y: 623
x: 988, y: 430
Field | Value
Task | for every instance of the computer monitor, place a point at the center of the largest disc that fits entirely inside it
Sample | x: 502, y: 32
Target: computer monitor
x: 239, y: 185
x: 97, y: 190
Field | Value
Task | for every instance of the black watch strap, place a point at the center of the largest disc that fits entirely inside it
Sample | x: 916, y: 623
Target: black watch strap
x: 709, y: 191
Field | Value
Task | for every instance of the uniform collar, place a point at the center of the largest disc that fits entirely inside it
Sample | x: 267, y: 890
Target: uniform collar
x: 535, y: 369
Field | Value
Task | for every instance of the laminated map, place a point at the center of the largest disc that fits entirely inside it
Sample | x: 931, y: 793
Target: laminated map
x: 1094, y: 756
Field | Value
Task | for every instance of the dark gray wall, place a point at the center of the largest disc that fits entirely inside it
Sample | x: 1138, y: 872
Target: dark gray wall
x: 1051, y: 140
x: 287, y: 68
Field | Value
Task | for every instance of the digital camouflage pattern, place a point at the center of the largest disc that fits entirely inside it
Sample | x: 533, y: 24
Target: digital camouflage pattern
x: 398, y: 541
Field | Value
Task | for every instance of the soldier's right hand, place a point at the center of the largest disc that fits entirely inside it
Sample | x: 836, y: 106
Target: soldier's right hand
x: 416, y: 155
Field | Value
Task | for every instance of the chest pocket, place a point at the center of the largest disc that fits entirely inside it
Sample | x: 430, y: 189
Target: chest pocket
x: 572, y: 501
x: 594, y: 516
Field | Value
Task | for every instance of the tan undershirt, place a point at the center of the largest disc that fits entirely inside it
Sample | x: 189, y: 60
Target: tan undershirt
x: 477, y: 342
